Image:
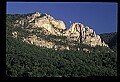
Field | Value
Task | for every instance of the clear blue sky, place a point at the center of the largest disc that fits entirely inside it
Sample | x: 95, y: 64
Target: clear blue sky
x: 100, y: 16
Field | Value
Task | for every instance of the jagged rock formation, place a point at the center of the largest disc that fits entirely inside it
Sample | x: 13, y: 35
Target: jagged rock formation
x: 84, y: 34
x: 41, y: 26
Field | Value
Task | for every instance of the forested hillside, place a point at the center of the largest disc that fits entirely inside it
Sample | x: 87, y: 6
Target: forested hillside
x: 110, y: 39
x: 26, y: 60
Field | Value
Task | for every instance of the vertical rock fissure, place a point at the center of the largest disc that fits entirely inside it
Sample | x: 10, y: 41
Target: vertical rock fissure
x: 80, y: 34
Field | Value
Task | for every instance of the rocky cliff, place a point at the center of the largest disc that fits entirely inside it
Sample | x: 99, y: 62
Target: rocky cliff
x: 44, y: 31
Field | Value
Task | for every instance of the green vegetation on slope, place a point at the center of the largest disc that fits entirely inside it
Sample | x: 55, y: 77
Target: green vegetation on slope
x: 28, y: 60
x: 110, y: 39
x: 25, y: 60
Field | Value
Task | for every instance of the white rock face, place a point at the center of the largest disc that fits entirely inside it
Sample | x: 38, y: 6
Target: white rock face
x: 87, y: 35
x: 43, y: 23
x: 14, y: 34
x: 77, y: 32
x: 59, y: 24
x: 38, y: 41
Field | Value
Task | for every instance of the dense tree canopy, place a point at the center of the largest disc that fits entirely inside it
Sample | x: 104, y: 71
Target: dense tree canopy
x: 110, y: 39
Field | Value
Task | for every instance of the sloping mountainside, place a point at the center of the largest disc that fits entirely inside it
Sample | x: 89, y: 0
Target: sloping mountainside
x: 44, y: 31
x: 37, y: 45
x: 110, y: 39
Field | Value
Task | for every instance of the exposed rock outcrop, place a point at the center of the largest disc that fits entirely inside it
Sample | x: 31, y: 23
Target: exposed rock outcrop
x: 43, y: 24
x: 38, y: 41
x: 14, y: 34
x: 59, y: 24
x: 84, y: 35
